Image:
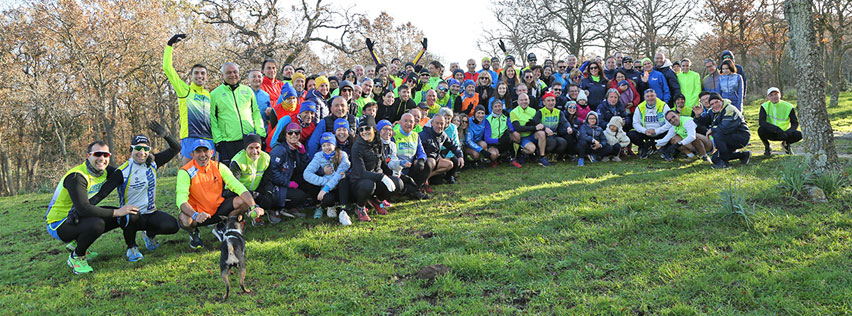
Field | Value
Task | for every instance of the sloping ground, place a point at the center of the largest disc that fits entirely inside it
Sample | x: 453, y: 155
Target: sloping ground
x: 637, y: 237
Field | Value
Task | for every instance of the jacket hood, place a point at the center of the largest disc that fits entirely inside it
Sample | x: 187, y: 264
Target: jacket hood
x: 727, y: 52
x: 616, y: 121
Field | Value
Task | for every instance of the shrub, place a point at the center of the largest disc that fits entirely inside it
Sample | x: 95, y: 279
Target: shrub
x: 795, y: 175
x: 830, y: 182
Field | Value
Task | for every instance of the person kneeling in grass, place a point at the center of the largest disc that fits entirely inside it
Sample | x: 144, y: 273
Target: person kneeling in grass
x: 615, y: 134
x: 683, y: 137
x: 198, y: 193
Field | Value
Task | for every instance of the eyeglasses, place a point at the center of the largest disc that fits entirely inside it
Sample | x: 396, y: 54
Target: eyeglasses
x: 294, y: 132
x: 593, y: 68
x: 100, y: 154
x: 563, y: 67
x: 141, y: 148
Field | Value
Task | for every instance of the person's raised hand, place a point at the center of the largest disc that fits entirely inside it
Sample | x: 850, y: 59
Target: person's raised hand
x: 502, y: 46
x: 369, y: 43
x: 176, y: 39
x: 424, y: 42
x: 698, y: 109
x: 158, y: 129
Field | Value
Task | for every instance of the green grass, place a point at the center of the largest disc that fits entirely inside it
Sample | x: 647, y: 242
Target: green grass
x: 637, y: 237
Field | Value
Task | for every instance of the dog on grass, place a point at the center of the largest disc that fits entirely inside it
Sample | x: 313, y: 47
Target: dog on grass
x: 233, y: 251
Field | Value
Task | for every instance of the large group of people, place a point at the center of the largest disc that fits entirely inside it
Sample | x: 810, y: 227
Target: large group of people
x: 342, y: 143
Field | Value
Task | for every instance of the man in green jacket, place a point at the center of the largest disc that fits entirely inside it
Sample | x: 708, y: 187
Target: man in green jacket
x: 690, y: 85
x: 234, y: 114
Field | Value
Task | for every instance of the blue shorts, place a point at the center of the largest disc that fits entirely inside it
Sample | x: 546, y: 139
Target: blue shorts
x: 186, y: 143
x: 528, y: 139
x: 52, y: 227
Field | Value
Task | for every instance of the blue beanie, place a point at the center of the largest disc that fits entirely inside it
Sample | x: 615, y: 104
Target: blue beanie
x: 341, y: 123
x: 287, y: 91
x: 308, y: 106
x: 328, y: 137
x: 467, y: 83
x: 453, y: 82
x: 382, y: 124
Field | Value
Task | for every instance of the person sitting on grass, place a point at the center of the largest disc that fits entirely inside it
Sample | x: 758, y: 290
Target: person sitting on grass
x: 729, y: 131
x: 683, y: 137
x: 288, y: 161
x: 496, y: 133
x: 433, y: 138
x: 526, y: 122
x: 476, y: 147
x: 367, y: 179
x: 72, y: 218
x: 649, y: 123
x: 615, y: 134
x: 324, y: 173
x: 591, y: 141
x: 778, y: 121
x: 198, y: 194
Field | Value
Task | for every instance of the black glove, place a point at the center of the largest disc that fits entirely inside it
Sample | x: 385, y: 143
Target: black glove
x: 502, y: 46
x: 175, y: 39
x: 484, y: 153
x: 424, y: 43
x: 158, y: 129
x: 369, y: 44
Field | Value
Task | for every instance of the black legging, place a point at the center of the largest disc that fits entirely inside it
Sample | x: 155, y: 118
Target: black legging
x: 88, y: 229
x: 295, y: 198
x: 330, y: 198
x: 156, y: 223
x: 556, y: 145
x: 365, y: 188
x: 419, y: 172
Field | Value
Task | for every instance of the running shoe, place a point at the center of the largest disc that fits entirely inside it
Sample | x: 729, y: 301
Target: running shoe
x: 378, y: 206
x: 134, y: 255
x: 195, y: 241
x: 331, y: 212
x: 580, y: 162
x: 89, y: 253
x: 150, y: 243
x: 362, y: 214
x: 344, y: 218
x: 543, y: 162
x: 274, y: 217
x: 318, y: 213
x: 78, y: 265
x: 787, y: 148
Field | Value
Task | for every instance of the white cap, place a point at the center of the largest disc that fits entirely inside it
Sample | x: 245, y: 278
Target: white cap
x: 773, y: 89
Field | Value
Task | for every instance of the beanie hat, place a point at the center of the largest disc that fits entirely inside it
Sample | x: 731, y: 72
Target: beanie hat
x: 452, y: 82
x: 328, y: 137
x: 369, y: 121
x: 382, y: 124
x: 590, y: 114
x: 468, y: 82
x: 251, y: 139
x: 714, y: 96
x: 623, y: 82
x: 646, y: 59
x: 298, y: 75
x: 293, y: 126
x: 549, y: 94
x: 484, y: 59
x: 341, y: 123
x: 287, y: 91
x: 479, y: 108
x: 308, y: 106
x: 582, y: 95
x: 345, y: 83
x: 457, y: 70
x: 320, y: 80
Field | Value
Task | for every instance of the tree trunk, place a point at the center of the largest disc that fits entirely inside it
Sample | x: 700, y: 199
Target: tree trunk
x: 816, y: 128
x: 834, y: 72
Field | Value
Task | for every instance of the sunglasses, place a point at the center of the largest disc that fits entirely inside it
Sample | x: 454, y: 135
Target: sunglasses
x: 346, y: 90
x: 443, y: 89
x: 294, y: 132
x: 141, y: 148
x: 364, y: 129
x: 554, y: 90
x: 572, y: 107
x: 593, y: 68
x: 100, y: 154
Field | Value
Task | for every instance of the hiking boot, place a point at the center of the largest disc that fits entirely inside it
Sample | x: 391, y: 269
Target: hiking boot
x: 344, y: 218
x: 643, y: 153
x: 150, y: 243
x: 362, y: 214
x: 318, y: 213
x: 787, y: 148
x: 515, y: 163
x: 134, y: 255
x: 331, y: 212
x: 580, y: 162
x: 194, y: 240
x: 379, y: 207
x: 543, y: 162
x: 451, y: 180
x: 746, y: 157
x: 78, y: 265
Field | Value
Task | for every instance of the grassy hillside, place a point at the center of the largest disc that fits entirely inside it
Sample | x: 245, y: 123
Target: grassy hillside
x: 637, y: 237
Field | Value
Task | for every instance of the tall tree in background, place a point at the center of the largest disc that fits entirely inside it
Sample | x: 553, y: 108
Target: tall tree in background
x: 521, y: 29
x: 400, y: 40
x: 833, y: 25
x: 816, y: 127
x: 656, y: 24
x: 570, y: 23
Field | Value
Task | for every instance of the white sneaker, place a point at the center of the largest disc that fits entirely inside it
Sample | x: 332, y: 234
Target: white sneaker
x: 344, y: 218
x: 604, y: 159
x: 616, y: 159
x: 331, y: 212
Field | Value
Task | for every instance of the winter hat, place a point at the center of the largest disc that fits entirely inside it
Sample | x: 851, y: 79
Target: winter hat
x: 341, y: 123
x: 479, y: 108
x: 715, y: 96
x: 251, y: 139
x: 298, y: 75
x: 531, y: 57
x: 411, y: 77
x: 510, y: 57
x: 320, y: 80
x: 139, y: 139
x: 549, y: 94
x: 647, y: 59
x: 582, y: 96
x: 408, y: 64
x: 468, y: 82
x: 626, y: 59
x: 328, y: 137
x: 452, y: 82
x: 727, y: 53
x: 308, y: 106
x: 383, y: 124
x: 484, y: 59
x: 679, y: 96
x: 616, y: 121
x: 287, y: 91
x: 293, y: 126
x: 623, y: 82
x: 457, y: 70
x: 590, y: 114
x: 346, y: 83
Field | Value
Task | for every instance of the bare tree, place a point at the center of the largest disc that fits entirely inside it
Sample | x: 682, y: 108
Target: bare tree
x: 520, y: 28
x: 573, y: 24
x: 261, y: 29
x: 833, y: 24
x: 656, y: 24
x: 816, y: 127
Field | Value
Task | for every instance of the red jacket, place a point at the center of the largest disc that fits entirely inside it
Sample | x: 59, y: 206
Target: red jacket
x: 273, y: 88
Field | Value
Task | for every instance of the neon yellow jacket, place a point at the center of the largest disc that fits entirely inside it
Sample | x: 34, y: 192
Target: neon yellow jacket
x: 193, y: 102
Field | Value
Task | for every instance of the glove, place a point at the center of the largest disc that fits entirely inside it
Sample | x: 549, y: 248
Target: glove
x: 484, y: 153
x: 388, y: 183
x: 175, y: 39
x: 369, y: 44
x: 423, y: 43
x: 158, y: 129
x: 502, y: 46
x: 293, y: 185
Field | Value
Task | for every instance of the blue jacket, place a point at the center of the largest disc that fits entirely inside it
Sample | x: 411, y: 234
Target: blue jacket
x: 597, y: 90
x: 607, y: 111
x: 475, y: 133
x: 262, y: 103
x: 314, y: 172
x: 731, y: 88
x: 327, y: 125
x: 589, y: 133
x: 494, y: 76
x: 657, y: 81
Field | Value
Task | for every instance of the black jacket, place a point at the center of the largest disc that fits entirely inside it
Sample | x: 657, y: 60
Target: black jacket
x: 432, y: 143
x: 394, y: 112
x: 367, y: 159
